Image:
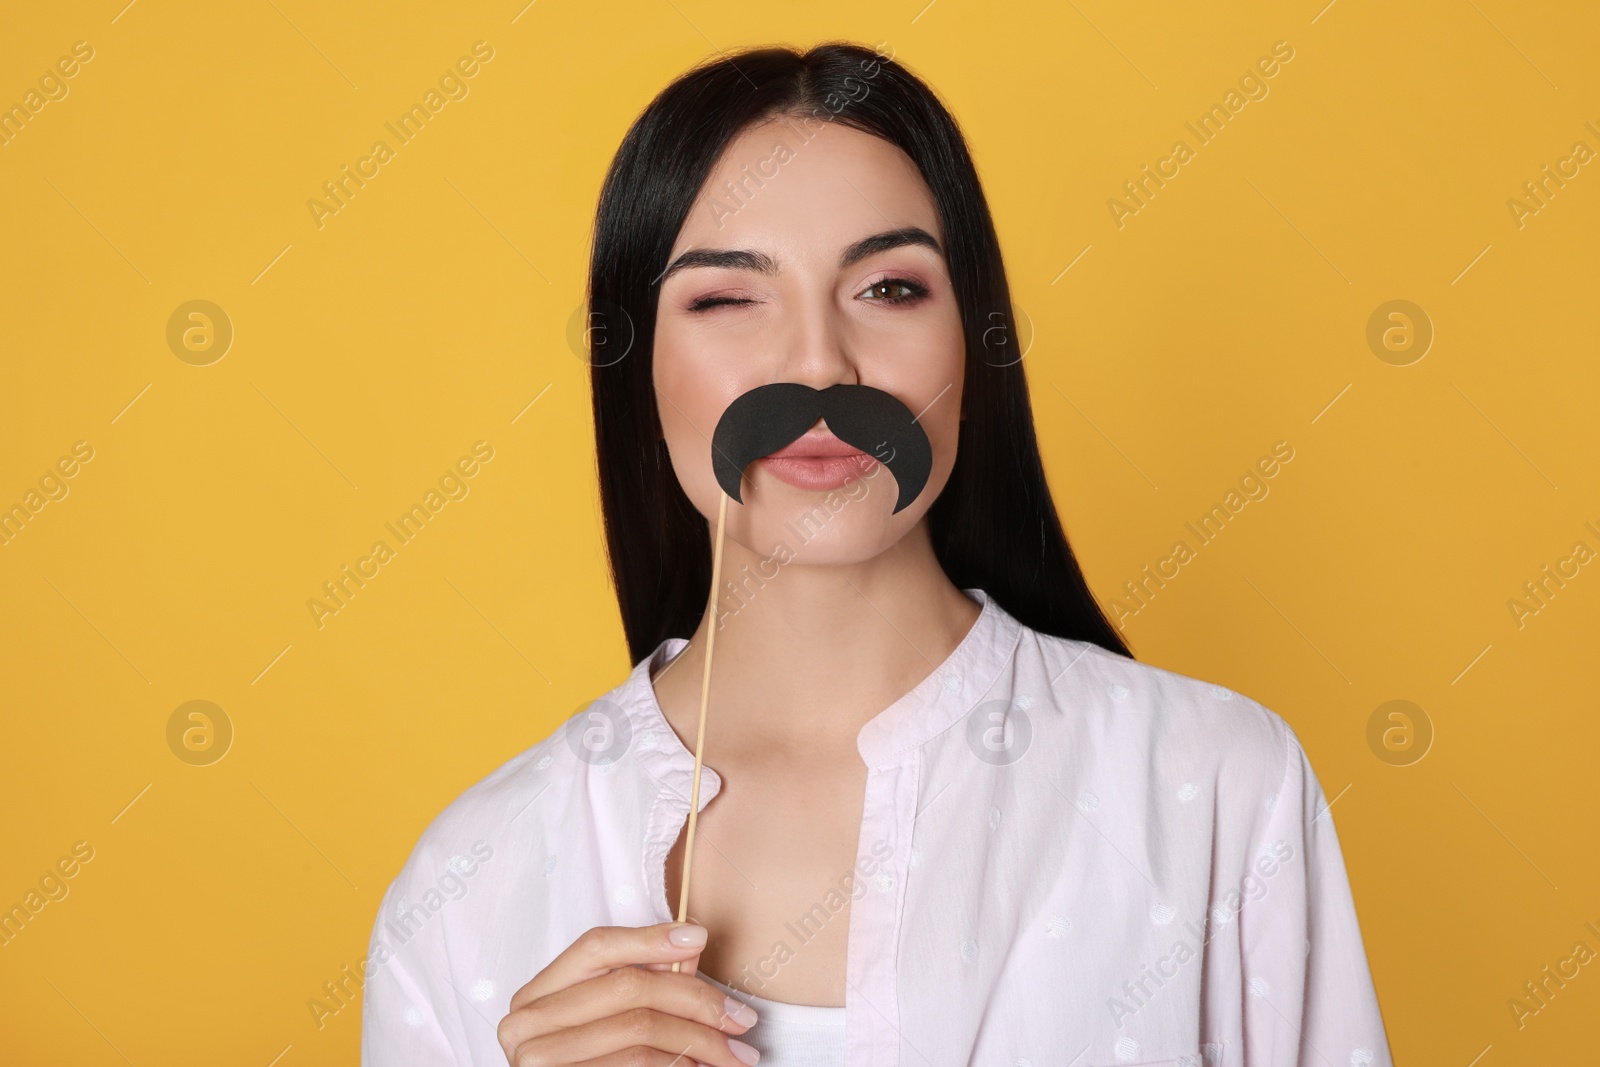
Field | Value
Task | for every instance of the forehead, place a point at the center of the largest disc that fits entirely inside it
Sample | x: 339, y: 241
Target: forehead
x: 805, y: 191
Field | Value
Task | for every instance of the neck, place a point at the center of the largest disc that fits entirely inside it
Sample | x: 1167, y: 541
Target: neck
x: 814, y: 651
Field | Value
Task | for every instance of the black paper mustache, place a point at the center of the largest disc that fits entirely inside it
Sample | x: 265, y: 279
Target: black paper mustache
x: 771, y: 416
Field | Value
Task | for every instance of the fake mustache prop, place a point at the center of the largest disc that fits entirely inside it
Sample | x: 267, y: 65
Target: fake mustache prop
x: 769, y: 417
x: 759, y: 423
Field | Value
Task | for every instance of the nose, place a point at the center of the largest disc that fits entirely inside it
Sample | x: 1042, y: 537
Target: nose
x: 816, y: 349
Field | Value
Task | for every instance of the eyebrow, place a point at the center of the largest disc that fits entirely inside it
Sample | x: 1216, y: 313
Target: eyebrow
x: 761, y: 263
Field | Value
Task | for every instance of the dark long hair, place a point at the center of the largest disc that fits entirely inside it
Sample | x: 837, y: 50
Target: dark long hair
x: 994, y: 526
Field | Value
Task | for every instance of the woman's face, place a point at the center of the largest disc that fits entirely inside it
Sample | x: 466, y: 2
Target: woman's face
x: 794, y: 310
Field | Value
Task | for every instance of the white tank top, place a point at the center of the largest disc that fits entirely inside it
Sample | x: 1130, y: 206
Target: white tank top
x: 791, y: 1035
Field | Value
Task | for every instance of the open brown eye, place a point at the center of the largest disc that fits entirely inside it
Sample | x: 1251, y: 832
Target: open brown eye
x: 895, y: 291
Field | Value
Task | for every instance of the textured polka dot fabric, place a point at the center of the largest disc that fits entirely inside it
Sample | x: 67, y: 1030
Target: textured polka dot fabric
x: 1127, y: 866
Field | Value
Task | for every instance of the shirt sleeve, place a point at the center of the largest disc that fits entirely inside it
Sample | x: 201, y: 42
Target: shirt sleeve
x: 404, y: 1014
x: 1308, y: 997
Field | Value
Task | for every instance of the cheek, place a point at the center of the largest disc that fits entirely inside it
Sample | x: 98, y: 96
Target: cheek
x: 692, y: 389
x: 928, y: 378
x: 942, y: 423
x: 701, y: 370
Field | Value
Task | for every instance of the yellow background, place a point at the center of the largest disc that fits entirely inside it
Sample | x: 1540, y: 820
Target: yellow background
x: 369, y: 354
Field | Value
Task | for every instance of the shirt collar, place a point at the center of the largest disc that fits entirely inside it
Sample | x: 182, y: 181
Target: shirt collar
x: 953, y: 688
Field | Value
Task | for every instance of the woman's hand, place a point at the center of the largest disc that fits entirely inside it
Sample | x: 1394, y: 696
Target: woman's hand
x: 612, y: 1000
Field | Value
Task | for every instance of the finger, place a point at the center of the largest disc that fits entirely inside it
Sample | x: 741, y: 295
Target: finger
x: 603, y: 948
x: 689, y: 966
x: 633, y: 1030
x: 624, y: 990
x: 632, y: 1058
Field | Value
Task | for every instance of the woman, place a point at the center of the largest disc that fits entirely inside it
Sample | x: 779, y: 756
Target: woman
x: 946, y: 818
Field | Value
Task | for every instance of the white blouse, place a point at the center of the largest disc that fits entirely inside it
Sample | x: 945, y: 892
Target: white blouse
x: 1068, y: 857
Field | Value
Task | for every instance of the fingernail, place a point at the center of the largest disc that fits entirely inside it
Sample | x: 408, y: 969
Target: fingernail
x: 688, y: 935
x: 745, y: 1052
x: 740, y: 1012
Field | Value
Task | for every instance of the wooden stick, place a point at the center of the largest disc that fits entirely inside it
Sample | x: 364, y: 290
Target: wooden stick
x: 700, y: 739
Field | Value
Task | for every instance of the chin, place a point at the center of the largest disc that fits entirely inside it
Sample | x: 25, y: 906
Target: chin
x: 809, y: 534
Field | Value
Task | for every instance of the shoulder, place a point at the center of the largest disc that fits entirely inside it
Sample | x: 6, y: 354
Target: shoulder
x: 542, y: 789
x: 472, y: 833
x: 489, y: 805
x: 519, y: 800
x: 1168, y: 715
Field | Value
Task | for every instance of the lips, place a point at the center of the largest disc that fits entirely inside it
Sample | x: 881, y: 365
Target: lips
x: 817, y: 460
